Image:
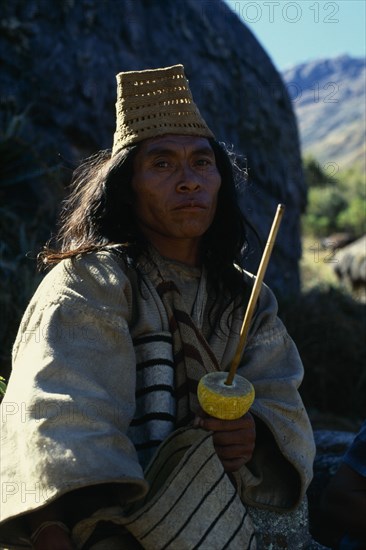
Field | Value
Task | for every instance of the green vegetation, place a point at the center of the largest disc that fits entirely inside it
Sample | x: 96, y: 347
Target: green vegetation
x: 2, y: 387
x: 326, y: 322
x: 336, y: 204
x: 336, y: 200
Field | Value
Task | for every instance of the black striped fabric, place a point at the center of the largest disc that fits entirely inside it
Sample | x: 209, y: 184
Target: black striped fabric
x: 155, y: 411
x: 169, y: 366
x: 191, y: 503
x: 193, y: 357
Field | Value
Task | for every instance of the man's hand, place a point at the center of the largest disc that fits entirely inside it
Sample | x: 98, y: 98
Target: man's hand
x: 53, y: 538
x: 234, y: 440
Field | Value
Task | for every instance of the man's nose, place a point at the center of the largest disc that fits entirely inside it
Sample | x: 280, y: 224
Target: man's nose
x: 189, y: 180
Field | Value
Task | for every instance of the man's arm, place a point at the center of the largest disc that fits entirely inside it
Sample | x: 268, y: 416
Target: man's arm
x: 77, y: 392
x: 55, y: 521
x: 47, y: 529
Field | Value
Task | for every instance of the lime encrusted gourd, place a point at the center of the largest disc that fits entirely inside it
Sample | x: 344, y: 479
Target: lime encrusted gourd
x: 222, y: 401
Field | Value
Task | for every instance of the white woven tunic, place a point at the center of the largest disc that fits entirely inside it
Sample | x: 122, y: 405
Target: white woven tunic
x: 70, y: 416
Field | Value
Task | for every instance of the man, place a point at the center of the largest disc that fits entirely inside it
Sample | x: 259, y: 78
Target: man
x: 111, y: 449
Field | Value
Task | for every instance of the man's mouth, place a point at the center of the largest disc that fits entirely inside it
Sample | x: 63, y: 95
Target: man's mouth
x: 191, y: 204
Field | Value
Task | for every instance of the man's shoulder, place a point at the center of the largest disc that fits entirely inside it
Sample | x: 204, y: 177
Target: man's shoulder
x: 267, y: 297
x: 86, y: 273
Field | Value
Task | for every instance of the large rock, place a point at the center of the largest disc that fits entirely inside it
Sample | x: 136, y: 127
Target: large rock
x: 59, y: 63
x: 350, y: 267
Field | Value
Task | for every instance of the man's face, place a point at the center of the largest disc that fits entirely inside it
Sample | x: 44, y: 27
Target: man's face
x: 176, y: 184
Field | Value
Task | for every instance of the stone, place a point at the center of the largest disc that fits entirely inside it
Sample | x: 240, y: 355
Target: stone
x: 350, y: 267
x: 279, y: 531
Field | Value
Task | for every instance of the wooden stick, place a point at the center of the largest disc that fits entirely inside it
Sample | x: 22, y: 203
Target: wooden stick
x: 255, y: 293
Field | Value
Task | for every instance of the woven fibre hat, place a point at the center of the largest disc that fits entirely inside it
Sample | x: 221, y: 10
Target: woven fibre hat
x: 155, y: 102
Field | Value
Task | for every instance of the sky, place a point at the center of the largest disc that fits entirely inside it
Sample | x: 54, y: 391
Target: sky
x: 297, y: 32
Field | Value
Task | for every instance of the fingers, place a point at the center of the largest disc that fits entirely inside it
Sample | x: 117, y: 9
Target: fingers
x: 233, y: 465
x: 234, y: 457
x: 234, y: 440
x: 217, y: 425
x: 242, y: 452
x: 210, y: 423
x: 233, y: 452
x: 53, y: 538
x: 237, y: 437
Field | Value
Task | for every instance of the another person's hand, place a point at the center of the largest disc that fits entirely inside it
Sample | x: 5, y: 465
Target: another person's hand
x: 53, y: 538
x: 234, y: 440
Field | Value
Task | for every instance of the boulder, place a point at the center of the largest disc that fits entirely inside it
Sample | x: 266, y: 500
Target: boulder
x: 337, y: 240
x: 350, y: 266
x: 58, y: 85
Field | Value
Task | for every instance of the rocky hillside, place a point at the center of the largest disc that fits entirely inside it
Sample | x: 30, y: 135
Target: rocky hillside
x: 329, y: 100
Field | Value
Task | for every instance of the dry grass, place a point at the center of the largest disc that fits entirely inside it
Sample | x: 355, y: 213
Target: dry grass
x: 317, y: 265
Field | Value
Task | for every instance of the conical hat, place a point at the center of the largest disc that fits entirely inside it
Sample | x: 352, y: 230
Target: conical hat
x: 155, y: 102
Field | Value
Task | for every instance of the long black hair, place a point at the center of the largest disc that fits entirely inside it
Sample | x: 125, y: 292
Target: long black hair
x: 99, y: 212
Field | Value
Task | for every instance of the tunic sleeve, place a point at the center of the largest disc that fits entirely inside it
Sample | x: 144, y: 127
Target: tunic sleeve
x: 71, y: 394
x: 282, y: 464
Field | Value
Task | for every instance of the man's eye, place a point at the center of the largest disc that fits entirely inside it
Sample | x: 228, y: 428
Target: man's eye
x: 162, y: 164
x: 204, y: 162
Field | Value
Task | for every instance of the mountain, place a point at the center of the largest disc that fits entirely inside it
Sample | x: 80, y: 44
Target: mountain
x: 328, y: 96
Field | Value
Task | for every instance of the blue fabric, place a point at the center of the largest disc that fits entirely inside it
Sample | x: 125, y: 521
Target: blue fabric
x: 347, y: 543
x: 355, y: 457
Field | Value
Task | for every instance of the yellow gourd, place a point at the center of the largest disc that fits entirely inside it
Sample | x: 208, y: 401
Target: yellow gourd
x: 227, y: 402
